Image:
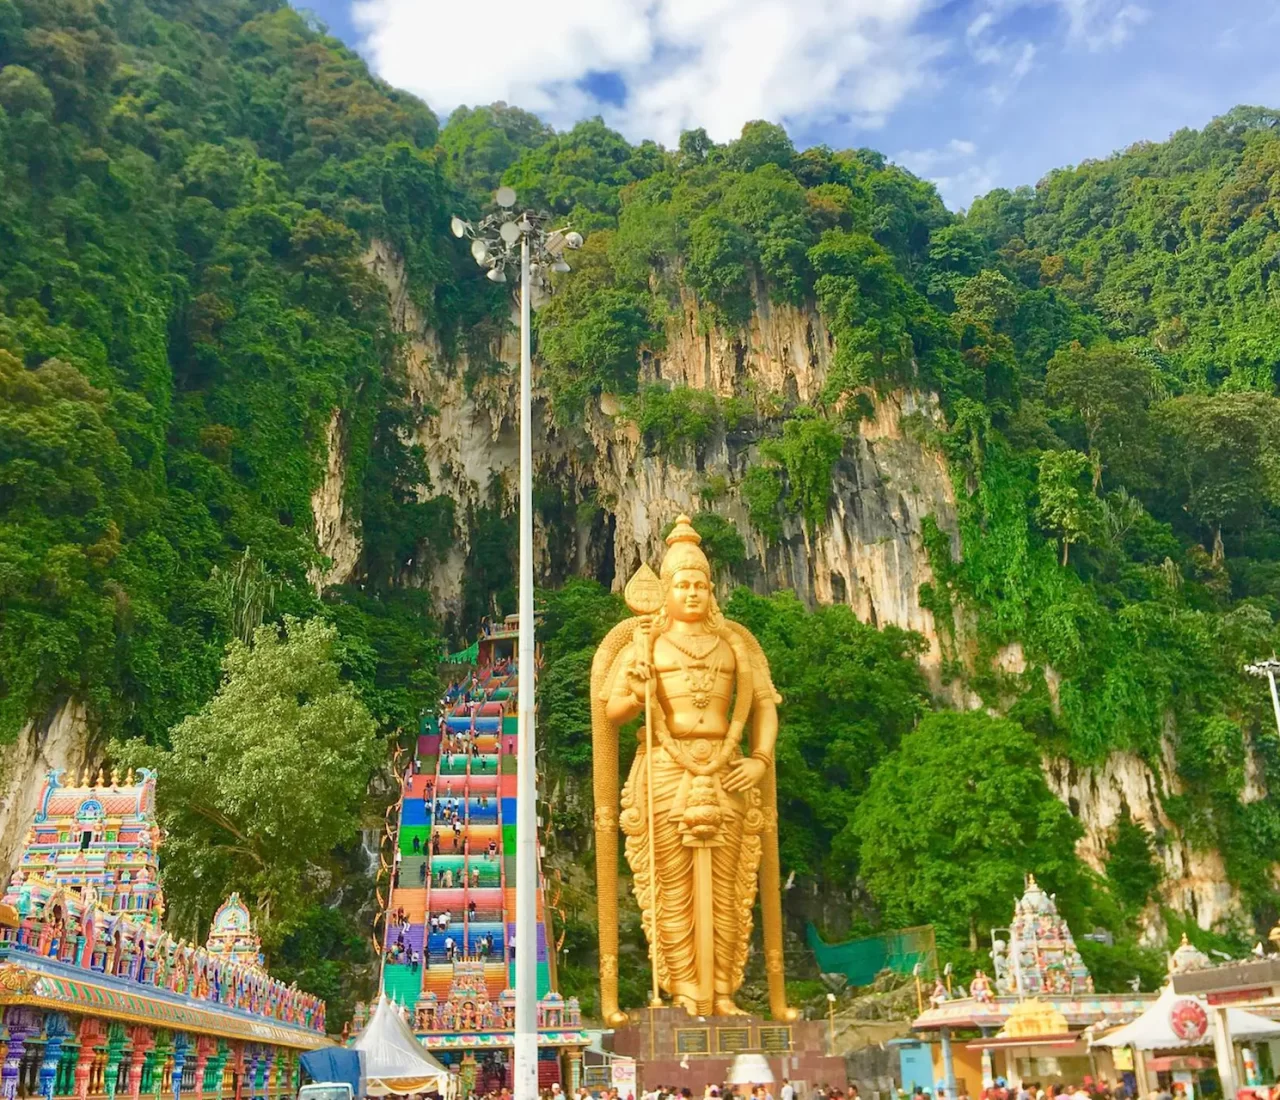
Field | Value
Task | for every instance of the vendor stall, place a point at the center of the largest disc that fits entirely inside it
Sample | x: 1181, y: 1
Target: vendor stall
x: 1178, y: 1025
x: 394, y: 1061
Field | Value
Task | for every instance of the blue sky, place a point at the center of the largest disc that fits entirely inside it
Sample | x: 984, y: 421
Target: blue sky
x: 972, y: 94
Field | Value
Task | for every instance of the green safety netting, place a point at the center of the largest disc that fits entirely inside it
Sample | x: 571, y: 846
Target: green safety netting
x: 466, y: 656
x: 862, y: 959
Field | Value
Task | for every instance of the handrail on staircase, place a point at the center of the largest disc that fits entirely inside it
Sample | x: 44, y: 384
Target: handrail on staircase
x: 502, y: 865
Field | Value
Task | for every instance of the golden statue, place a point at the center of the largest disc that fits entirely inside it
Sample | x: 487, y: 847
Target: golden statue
x: 700, y: 818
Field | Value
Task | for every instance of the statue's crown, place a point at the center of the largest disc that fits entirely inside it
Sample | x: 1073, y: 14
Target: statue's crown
x: 684, y: 551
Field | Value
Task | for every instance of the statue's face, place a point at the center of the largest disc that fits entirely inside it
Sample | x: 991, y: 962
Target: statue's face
x: 689, y: 597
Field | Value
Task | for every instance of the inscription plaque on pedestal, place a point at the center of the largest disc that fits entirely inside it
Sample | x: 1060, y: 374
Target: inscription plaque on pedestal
x: 730, y: 1040
x: 693, y: 1040
x: 775, y: 1040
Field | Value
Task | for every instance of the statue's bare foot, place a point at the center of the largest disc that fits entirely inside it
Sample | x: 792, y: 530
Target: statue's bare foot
x: 725, y: 1006
x: 689, y: 1004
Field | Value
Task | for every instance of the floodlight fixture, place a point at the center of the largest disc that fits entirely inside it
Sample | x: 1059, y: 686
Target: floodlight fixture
x: 458, y: 226
x: 505, y: 197
x: 510, y: 232
x: 495, y: 275
x: 480, y: 251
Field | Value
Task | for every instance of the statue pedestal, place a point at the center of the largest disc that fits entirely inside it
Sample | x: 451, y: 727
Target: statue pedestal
x: 660, y: 1039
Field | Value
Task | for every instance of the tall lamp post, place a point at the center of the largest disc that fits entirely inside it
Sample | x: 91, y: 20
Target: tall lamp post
x: 498, y: 242
x: 1268, y: 668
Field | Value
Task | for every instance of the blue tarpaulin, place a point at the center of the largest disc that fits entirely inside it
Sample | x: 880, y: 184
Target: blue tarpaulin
x: 335, y: 1064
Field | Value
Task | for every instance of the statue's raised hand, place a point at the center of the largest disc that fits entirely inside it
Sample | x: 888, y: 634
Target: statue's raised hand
x: 638, y: 674
x: 639, y: 671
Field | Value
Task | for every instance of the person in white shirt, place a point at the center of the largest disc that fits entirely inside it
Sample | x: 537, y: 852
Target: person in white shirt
x: 788, y: 1090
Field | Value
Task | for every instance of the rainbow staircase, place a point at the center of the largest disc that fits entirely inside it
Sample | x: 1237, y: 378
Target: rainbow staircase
x: 466, y: 870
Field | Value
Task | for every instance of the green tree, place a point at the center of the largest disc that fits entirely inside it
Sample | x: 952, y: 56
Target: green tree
x: 721, y: 265
x: 256, y: 790
x: 64, y: 505
x: 247, y: 592
x: 1108, y: 389
x: 760, y: 143
x: 868, y: 306
x: 849, y: 694
x: 591, y: 331
x: 575, y: 620
x: 480, y: 143
x: 761, y: 492
x: 1132, y: 869
x: 1067, y: 506
x: 953, y: 820
x: 1223, y: 452
x: 808, y: 450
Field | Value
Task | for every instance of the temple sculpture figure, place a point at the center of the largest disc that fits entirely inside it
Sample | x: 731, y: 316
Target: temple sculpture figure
x: 699, y: 814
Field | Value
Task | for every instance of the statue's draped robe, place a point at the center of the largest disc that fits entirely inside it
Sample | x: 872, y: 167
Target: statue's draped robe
x: 735, y: 853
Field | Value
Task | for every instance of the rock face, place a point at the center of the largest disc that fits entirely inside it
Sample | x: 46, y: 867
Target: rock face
x: 868, y: 552
x: 1195, y: 880
x: 336, y: 537
x: 59, y: 741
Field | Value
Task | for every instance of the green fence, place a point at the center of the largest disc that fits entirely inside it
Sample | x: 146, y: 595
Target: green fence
x: 466, y: 656
x: 862, y: 959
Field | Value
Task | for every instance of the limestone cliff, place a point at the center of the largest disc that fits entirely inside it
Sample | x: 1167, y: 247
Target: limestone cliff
x: 867, y: 552
x: 336, y: 536
x: 59, y: 741
x: 1195, y: 879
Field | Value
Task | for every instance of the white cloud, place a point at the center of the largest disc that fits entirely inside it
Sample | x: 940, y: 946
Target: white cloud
x: 954, y: 168
x: 1094, y: 24
x: 1101, y: 24
x: 686, y: 63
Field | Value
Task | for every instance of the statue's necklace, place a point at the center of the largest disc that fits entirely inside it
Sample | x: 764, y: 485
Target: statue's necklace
x: 692, y: 649
x: 698, y: 673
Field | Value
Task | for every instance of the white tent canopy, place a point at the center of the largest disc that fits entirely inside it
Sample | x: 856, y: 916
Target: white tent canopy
x: 1154, y: 1031
x: 394, y: 1061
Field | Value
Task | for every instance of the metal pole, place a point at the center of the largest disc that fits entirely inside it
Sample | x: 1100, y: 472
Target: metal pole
x: 1268, y: 668
x: 948, y: 1064
x: 1275, y: 696
x: 526, y: 1038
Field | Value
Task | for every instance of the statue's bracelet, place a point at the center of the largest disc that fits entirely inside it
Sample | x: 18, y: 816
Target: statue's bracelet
x: 765, y: 758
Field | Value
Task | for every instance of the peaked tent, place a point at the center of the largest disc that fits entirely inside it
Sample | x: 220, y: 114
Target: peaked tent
x: 394, y: 1061
x: 1154, y: 1031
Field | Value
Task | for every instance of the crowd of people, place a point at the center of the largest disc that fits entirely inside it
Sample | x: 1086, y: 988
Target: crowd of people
x: 670, y: 1092
x: 1087, y: 1089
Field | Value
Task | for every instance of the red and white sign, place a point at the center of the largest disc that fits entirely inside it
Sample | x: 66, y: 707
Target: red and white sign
x: 1234, y: 996
x: 1188, y: 1019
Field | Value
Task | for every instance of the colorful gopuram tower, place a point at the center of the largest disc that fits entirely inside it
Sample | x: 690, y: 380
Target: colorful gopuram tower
x: 97, y: 999
x: 231, y: 935
x: 1040, y: 955
x: 100, y: 833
